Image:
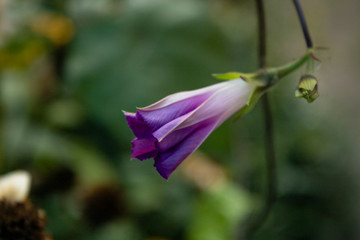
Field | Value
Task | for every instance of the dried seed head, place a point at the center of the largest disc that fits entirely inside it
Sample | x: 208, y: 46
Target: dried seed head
x: 22, y: 220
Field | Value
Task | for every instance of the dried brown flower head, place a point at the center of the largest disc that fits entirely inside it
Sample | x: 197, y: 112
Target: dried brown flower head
x: 22, y: 220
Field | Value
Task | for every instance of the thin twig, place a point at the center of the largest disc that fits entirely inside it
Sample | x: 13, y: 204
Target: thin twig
x: 271, y: 193
x: 304, y: 26
x: 261, y: 33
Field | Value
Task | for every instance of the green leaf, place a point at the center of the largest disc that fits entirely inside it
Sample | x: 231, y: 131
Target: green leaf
x: 218, y: 212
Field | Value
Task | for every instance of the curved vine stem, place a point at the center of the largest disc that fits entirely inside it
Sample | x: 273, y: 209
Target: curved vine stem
x: 305, y: 29
x: 271, y: 170
x: 271, y: 178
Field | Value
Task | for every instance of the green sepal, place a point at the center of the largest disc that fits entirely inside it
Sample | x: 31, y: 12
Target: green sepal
x: 298, y: 94
x: 227, y: 76
x: 257, y: 79
x: 313, y: 96
x: 253, y: 99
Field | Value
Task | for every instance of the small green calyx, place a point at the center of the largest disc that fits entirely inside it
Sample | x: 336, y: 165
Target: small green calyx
x: 253, y: 99
x: 227, y: 76
x: 258, y: 79
x: 307, y: 88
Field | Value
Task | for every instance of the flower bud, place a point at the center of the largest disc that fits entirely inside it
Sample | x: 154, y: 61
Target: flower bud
x: 174, y: 127
x: 307, y: 88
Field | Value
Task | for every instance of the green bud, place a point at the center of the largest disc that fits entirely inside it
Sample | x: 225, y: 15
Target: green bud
x: 307, y: 88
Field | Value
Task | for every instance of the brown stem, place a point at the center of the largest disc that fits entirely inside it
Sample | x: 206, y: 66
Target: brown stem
x: 261, y: 33
x: 271, y: 193
x: 304, y: 26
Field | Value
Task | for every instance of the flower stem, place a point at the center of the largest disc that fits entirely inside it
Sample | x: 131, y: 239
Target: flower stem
x: 271, y: 193
x: 304, y: 27
x: 280, y: 72
x: 261, y: 33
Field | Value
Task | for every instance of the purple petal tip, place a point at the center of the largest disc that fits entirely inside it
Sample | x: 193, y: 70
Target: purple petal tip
x: 163, y: 172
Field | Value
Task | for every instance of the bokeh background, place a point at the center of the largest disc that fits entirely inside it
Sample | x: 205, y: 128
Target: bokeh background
x: 68, y: 68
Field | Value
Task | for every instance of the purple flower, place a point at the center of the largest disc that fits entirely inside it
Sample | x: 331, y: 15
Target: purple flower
x: 174, y: 127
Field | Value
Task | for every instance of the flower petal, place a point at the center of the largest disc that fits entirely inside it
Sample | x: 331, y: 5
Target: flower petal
x: 15, y: 186
x: 177, y: 97
x: 155, y: 118
x: 219, y: 106
x: 175, y: 137
x: 166, y: 162
x: 139, y: 127
x: 143, y: 148
x: 223, y: 103
x: 165, y: 130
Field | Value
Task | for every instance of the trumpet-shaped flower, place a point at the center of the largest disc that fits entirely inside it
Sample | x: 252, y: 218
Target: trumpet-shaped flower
x: 174, y: 127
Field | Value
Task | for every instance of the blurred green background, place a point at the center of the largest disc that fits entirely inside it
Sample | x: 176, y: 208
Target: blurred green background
x: 68, y: 68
